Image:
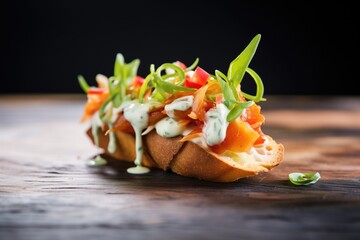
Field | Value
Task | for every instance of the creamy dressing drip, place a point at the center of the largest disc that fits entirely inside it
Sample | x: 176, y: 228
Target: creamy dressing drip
x: 112, y: 140
x: 96, y: 123
x: 181, y: 104
x: 216, y: 124
x: 137, y: 115
x: 98, y: 161
x: 168, y: 127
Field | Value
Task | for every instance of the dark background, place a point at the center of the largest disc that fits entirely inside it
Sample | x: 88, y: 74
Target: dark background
x: 304, y: 49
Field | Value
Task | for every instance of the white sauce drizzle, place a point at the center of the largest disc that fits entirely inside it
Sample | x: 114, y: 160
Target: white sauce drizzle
x: 168, y: 127
x: 95, y: 126
x: 137, y: 115
x: 112, y: 135
x: 112, y: 140
x: 182, y: 104
x: 216, y: 125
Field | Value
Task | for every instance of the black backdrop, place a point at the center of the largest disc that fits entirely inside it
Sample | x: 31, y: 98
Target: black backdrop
x: 304, y: 49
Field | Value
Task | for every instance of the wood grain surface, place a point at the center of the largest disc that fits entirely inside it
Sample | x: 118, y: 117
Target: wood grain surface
x: 47, y: 191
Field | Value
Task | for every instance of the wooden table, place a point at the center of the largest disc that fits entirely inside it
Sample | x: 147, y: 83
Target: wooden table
x: 47, y: 191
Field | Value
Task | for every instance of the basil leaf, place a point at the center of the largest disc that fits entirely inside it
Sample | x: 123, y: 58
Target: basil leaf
x: 304, y: 178
x: 238, y: 66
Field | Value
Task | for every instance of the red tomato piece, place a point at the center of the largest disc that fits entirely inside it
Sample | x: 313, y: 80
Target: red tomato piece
x: 138, y: 81
x: 181, y: 65
x: 198, y: 79
x: 94, y: 90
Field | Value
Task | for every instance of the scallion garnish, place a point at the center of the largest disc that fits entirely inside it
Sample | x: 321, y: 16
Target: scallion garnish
x: 124, y: 73
x: 83, y: 84
x: 304, y: 178
x: 98, y: 161
x: 237, y: 110
x: 239, y: 65
x: 231, y: 82
x: 162, y: 84
x: 193, y: 65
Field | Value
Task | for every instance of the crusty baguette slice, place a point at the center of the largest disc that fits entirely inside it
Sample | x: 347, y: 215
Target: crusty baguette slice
x: 192, y: 160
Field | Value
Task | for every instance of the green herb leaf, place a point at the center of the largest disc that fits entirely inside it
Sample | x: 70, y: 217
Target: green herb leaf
x: 239, y: 65
x: 124, y: 73
x: 119, y: 63
x: 83, y: 84
x: 179, y: 71
x: 259, y: 87
x: 193, y: 65
x: 144, y: 86
x: 226, y: 89
x: 238, y: 110
x: 167, y: 83
x: 102, y: 109
x: 230, y: 83
x: 304, y: 178
x: 98, y: 161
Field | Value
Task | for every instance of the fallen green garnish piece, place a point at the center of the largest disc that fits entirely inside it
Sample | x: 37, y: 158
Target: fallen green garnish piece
x: 97, y: 162
x: 304, y: 178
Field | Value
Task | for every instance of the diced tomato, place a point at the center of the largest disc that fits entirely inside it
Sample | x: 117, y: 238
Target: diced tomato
x: 255, y: 119
x: 137, y: 82
x: 200, y: 76
x: 261, y: 138
x: 189, y: 83
x: 181, y: 65
x: 94, y: 90
x: 240, y: 137
x: 198, y: 79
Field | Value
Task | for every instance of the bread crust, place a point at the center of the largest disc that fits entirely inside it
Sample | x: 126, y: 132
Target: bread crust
x: 190, y: 159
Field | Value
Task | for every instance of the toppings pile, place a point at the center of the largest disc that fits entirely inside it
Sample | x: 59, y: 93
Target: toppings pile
x: 179, y: 100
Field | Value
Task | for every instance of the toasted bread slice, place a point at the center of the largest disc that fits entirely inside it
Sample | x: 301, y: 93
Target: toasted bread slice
x: 194, y: 160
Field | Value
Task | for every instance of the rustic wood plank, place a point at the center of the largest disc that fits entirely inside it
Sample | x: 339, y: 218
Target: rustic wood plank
x: 48, y: 192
